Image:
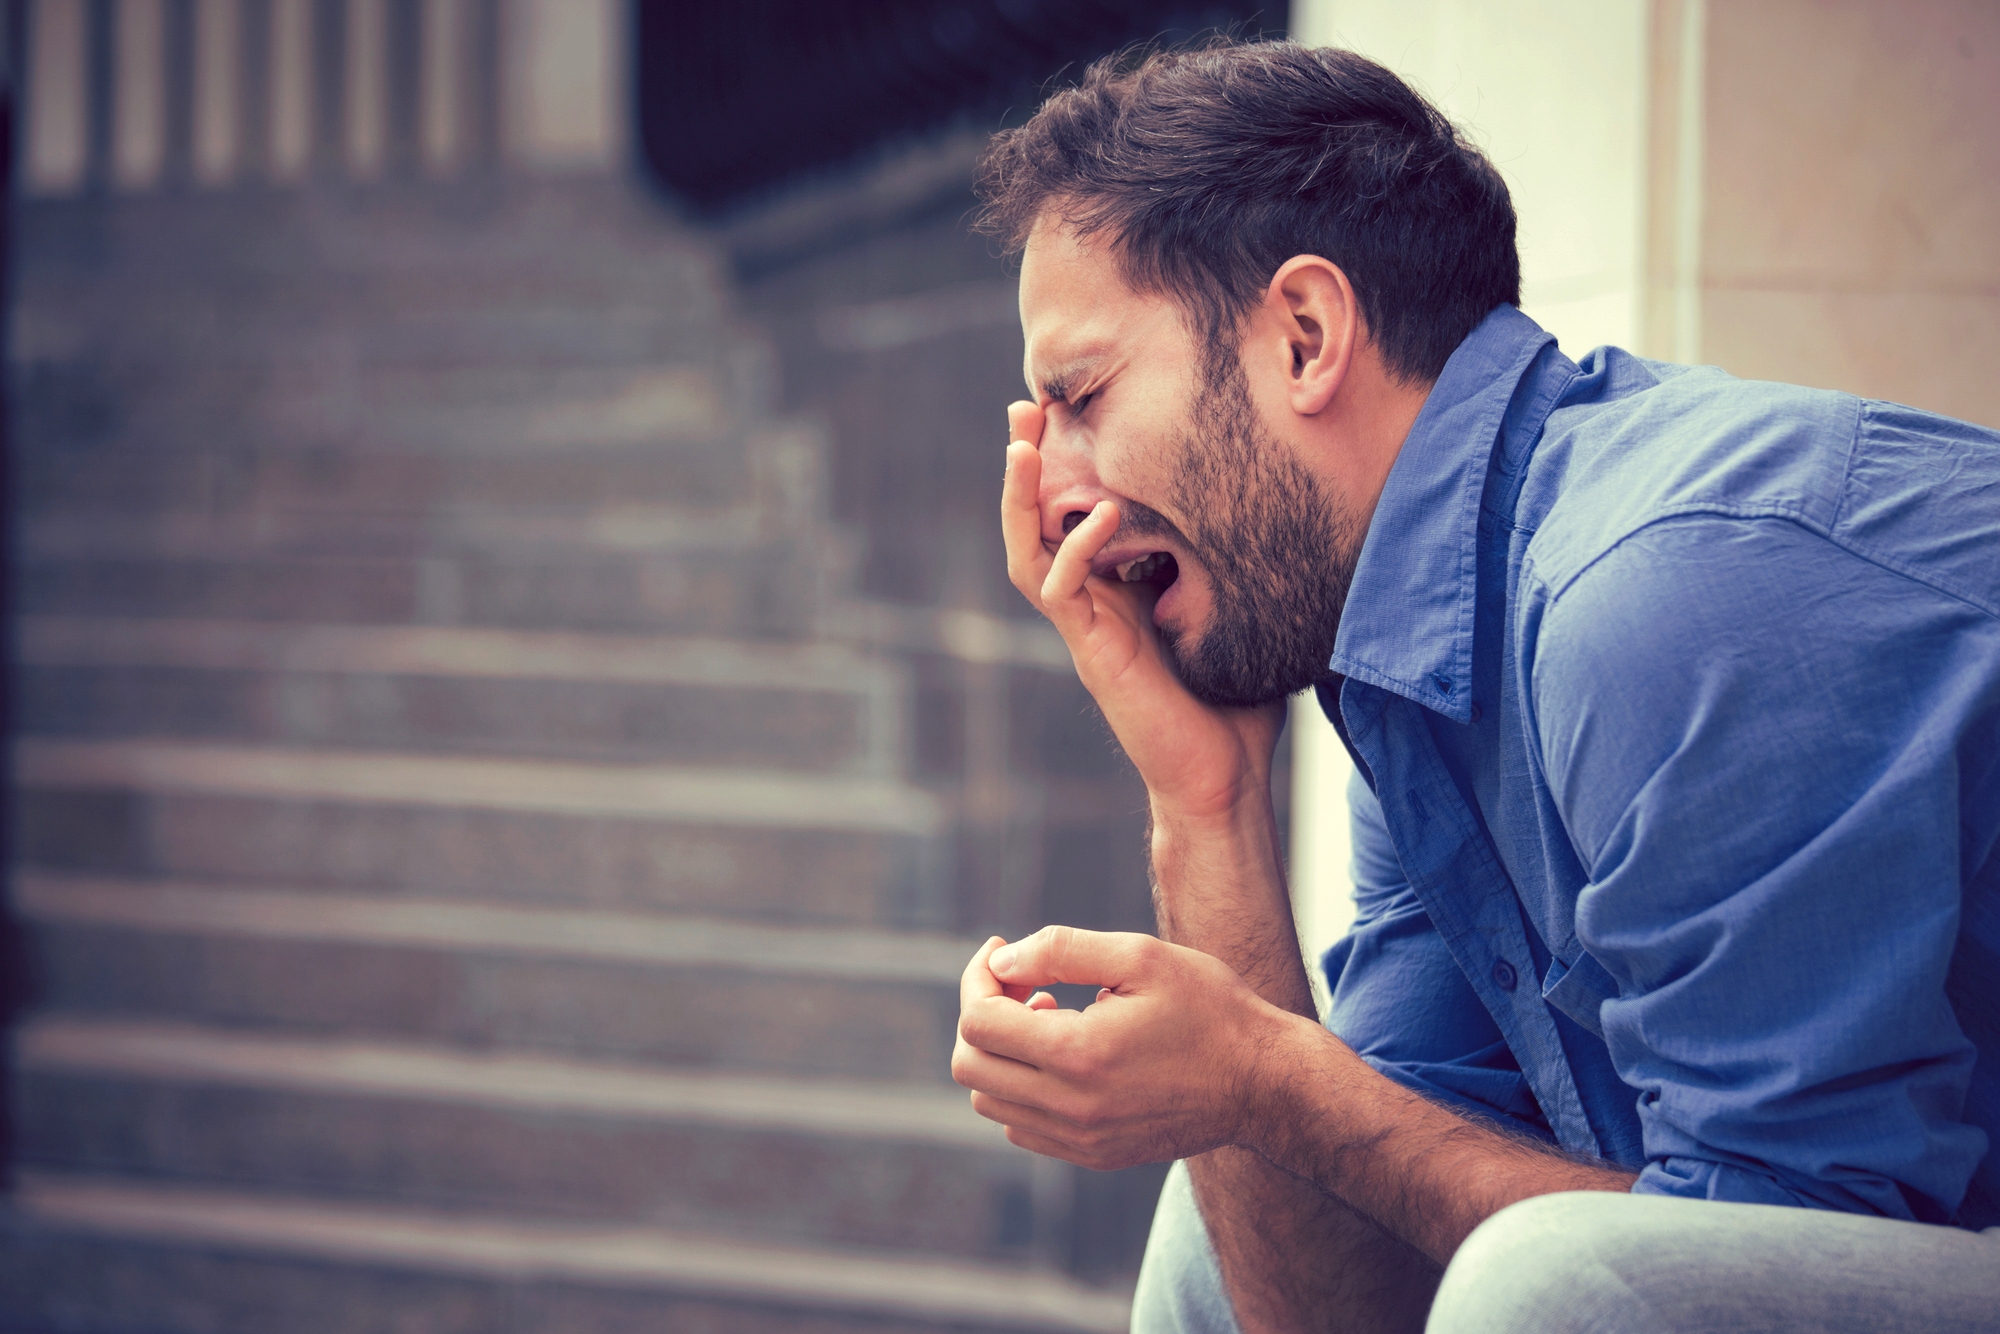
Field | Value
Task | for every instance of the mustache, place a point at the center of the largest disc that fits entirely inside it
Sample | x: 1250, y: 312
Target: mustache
x: 1137, y: 520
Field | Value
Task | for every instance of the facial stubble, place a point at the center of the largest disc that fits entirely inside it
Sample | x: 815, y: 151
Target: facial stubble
x: 1278, y: 548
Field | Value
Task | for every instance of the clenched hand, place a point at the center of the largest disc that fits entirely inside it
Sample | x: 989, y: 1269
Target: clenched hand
x: 1156, y: 1068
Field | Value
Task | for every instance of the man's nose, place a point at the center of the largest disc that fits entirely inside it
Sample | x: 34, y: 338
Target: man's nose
x: 1070, y: 487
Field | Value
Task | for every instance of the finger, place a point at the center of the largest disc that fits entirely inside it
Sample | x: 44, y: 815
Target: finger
x: 1021, y: 521
x: 1045, y: 1146
x: 1063, y: 599
x: 1024, y: 422
x: 977, y: 982
x: 1041, y: 1000
x: 1029, y: 1037
x: 1111, y: 959
x: 1021, y: 1116
x: 999, y: 1076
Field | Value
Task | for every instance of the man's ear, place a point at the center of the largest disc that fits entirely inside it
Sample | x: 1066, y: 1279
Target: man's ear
x: 1315, y: 311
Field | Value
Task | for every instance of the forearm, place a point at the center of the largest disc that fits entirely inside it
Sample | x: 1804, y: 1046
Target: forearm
x: 1289, y: 1252
x: 1219, y: 887
x: 1330, y: 1126
x: 1422, y: 1172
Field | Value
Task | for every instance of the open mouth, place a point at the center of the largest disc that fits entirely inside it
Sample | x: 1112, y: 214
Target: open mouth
x: 1158, y: 568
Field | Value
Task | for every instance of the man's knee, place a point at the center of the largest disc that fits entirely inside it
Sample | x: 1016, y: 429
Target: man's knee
x: 1529, y: 1268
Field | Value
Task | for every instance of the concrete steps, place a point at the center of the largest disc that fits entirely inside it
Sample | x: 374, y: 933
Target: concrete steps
x: 382, y: 470
x: 858, y: 1165
x: 545, y: 463
x: 690, y: 993
x: 463, y: 890
x: 502, y: 408
x: 769, y: 846
x: 755, y: 590
x: 541, y: 235
x: 124, y: 1257
x: 524, y: 693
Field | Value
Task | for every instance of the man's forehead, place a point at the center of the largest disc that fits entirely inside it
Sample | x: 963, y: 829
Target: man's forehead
x: 1074, y: 301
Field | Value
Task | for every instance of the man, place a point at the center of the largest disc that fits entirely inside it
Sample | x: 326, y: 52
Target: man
x: 1675, y: 705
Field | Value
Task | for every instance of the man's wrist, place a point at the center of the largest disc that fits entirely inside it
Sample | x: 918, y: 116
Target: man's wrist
x: 1243, y: 825
x: 1227, y: 859
x: 1298, y: 1071
x: 1219, y: 810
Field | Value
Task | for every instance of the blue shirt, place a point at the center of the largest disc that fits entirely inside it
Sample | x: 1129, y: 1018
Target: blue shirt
x: 1675, y: 707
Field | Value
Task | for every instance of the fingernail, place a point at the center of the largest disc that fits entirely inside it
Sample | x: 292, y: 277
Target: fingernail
x: 1002, y: 960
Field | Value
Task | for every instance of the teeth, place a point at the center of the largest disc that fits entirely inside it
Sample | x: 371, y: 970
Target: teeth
x: 1142, y: 568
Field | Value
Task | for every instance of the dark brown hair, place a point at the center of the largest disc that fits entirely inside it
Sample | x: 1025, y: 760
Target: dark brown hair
x: 1211, y: 167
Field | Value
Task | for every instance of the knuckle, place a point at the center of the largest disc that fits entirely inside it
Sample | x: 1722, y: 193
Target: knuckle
x: 1089, y: 1067
x: 1060, y: 942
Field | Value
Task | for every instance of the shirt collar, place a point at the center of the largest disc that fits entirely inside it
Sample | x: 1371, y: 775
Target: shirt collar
x: 1407, y: 626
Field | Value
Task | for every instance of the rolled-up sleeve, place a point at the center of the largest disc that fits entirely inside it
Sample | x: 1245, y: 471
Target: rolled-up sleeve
x: 1399, y: 999
x: 1752, y: 735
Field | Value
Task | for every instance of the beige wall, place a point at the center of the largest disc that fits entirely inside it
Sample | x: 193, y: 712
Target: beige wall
x: 1851, y: 222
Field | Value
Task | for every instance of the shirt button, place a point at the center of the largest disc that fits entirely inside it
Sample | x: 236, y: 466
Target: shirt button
x: 1477, y: 712
x: 1503, y: 973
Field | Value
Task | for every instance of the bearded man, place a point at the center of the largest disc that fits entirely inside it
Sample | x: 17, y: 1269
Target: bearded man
x: 1674, y: 702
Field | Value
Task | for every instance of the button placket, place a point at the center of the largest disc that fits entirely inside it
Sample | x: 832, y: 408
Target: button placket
x: 1459, y: 879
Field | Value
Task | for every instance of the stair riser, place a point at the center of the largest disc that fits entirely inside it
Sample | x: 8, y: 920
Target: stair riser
x: 749, y: 726
x: 391, y: 274
x: 690, y: 1016
x: 605, y: 861
x: 52, y: 1280
x: 758, y: 593
x: 503, y: 234
x: 151, y: 473
x: 778, y: 1185
x: 383, y: 329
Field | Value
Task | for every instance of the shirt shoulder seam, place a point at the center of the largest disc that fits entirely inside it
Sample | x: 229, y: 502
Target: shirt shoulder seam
x: 1791, y: 513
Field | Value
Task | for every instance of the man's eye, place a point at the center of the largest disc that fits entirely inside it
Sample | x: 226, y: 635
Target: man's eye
x: 1080, y: 402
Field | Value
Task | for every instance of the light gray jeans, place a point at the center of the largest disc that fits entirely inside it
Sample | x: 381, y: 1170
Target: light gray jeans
x: 1605, y: 1263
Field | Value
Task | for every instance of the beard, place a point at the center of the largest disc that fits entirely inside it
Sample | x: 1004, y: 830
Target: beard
x: 1278, y: 547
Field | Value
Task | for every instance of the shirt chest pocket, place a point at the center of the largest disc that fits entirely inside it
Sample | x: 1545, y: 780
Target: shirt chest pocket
x: 1578, y: 988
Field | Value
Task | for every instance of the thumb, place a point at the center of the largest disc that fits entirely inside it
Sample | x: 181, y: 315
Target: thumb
x: 1066, y: 954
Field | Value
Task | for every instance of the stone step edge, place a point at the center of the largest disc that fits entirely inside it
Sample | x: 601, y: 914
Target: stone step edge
x: 746, y: 798
x: 295, y: 531
x: 449, y: 651
x: 340, y: 917
x: 195, y: 1055
x: 514, y: 1251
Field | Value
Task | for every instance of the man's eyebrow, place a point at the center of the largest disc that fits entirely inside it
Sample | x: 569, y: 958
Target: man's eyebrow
x: 1057, y: 382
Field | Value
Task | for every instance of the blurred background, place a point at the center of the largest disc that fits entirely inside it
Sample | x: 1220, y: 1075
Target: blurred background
x: 518, y: 719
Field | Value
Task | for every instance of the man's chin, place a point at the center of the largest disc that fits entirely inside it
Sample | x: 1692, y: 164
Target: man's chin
x: 1223, y: 679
